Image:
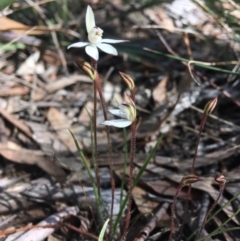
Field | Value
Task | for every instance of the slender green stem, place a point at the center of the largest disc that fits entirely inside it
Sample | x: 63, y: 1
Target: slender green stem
x: 64, y: 10
x: 86, y: 165
x: 96, y: 166
x: 200, y: 64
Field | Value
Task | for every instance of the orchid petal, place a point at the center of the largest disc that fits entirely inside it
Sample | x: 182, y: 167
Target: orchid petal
x: 107, y: 48
x: 77, y: 45
x: 90, y: 20
x: 92, y: 51
x: 117, y: 112
x: 113, y: 41
x: 120, y: 123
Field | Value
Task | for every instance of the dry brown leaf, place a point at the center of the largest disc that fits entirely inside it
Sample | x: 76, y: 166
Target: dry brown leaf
x: 160, y: 92
x: 166, y: 188
x: 47, y: 140
x: 17, y: 123
x: 7, y: 24
x: 60, y: 123
x: 31, y: 65
x: 144, y: 204
x: 86, y: 111
x: 15, y: 153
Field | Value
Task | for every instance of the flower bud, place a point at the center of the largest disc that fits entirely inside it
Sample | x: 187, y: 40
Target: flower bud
x: 210, y: 106
x: 220, y: 179
x: 131, y: 112
x: 87, y: 68
x: 128, y: 80
x: 189, y: 179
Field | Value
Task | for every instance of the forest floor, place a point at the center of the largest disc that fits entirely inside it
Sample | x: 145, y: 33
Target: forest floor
x: 43, y: 94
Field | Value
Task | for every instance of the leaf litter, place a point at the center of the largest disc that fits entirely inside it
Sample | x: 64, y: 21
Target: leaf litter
x: 39, y: 101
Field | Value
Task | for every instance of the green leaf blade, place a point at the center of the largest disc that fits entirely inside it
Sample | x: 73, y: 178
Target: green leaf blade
x: 5, y: 3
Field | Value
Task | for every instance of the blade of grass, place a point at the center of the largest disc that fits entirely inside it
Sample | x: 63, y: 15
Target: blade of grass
x: 142, y: 169
x: 5, y: 3
x: 103, y: 230
x: 86, y: 165
x: 93, y: 156
x: 197, y: 63
x: 221, y: 231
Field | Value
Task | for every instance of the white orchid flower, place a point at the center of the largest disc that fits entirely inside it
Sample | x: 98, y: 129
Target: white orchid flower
x: 127, y: 111
x: 95, y: 39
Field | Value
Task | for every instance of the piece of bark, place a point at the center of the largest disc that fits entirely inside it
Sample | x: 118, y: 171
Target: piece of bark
x: 152, y: 223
